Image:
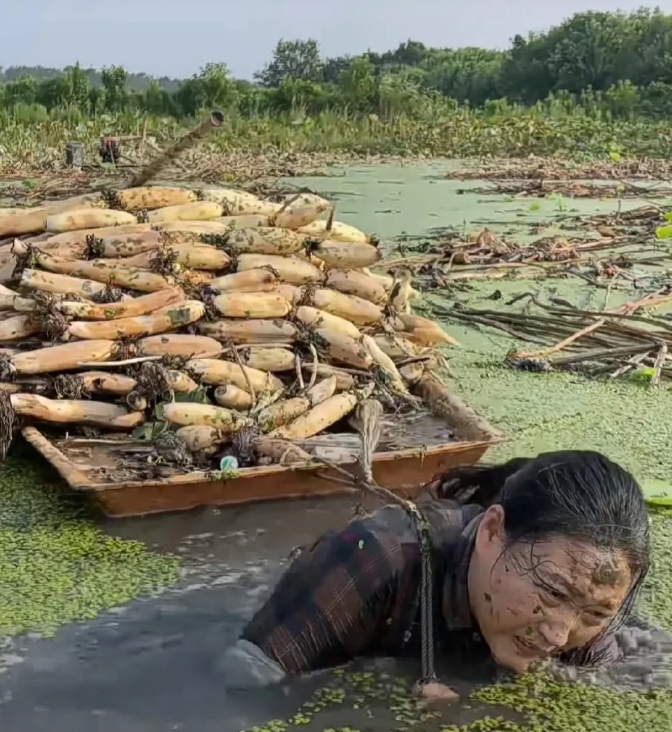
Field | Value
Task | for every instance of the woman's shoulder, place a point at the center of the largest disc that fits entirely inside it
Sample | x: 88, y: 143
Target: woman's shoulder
x: 391, y: 530
x: 396, y: 524
x: 447, y: 519
x: 390, y: 526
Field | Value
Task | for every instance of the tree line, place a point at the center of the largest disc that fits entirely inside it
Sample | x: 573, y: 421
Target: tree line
x: 612, y: 63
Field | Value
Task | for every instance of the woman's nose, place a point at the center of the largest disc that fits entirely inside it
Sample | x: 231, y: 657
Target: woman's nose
x: 556, y: 632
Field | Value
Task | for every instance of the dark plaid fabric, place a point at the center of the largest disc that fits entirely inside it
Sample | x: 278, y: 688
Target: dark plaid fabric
x: 356, y: 592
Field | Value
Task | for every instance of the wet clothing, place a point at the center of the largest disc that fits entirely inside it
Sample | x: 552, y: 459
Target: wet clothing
x: 356, y: 592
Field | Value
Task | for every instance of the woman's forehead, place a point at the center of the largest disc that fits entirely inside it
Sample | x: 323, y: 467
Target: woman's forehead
x: 580, y: 563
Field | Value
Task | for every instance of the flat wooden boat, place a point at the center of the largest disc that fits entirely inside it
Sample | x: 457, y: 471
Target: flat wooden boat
x: 117, y: 472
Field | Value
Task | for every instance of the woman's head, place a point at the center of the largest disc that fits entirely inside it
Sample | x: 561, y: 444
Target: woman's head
x: 559, y: 554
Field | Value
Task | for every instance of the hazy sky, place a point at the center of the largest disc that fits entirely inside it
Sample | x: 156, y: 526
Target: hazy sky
x: 176, y: 37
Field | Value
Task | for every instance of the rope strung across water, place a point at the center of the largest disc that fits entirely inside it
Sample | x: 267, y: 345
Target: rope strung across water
x: 426, y: 595
x: 367, y: 425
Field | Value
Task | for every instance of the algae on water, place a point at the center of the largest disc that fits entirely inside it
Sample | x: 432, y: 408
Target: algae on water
x: 551, y: 706
x: 656, y: 602
x: 535, y: 702
x: 55, y: 565
x: 561, y: 411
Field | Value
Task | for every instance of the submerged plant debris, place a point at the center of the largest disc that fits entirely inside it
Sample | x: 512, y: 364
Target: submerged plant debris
x: 539, y: 188
x: 536, y: 168
x: 610, y: 343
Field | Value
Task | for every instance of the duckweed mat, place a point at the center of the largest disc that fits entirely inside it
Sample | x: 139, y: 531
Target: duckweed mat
x: 544, y: 704
x: 529, y: 703
x: 539, y: 412
x: 56, y: 566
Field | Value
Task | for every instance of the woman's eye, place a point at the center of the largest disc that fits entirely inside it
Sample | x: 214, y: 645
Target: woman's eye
x: 557, y: 595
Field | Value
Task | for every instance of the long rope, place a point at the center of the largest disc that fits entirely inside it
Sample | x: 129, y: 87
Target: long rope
x: 426, y: 582
x: 426, y: 594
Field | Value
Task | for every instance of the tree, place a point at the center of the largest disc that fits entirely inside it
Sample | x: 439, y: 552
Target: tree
x: 591, y: 49
x: 75, y: 87
x: 114, y: 80
x: 153, y: 98
x: 467, y: 74
x: 52, y: 93
x: 358, y: 84
x: 398, y: 94
x: 654, y: 48
x: 217, y: 89
x: 526, y: 76
x: 411, y: 53
x: 606, y: 63
x: 588, y: 50
x: 298, y: 95
x: 20, y: 91
x: 292, y: 60
x: 211, y: 87
x: 96, y: 99
x: 332, y: 68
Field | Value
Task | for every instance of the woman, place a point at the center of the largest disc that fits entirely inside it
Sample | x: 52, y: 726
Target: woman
x: 532, y: 559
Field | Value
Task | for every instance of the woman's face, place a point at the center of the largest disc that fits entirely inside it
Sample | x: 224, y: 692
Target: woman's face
x: 533, y: 601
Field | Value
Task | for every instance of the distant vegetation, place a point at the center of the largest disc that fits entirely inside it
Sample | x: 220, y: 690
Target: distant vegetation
x: 619, y: 63
x: 134, y: 82
x: 596, y: 82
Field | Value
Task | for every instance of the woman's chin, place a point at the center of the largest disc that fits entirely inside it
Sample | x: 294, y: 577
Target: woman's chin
x: 516, y: 667
x: 514, y: 663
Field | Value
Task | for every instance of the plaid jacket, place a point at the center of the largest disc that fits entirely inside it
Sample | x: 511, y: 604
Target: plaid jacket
x: 356, y: 592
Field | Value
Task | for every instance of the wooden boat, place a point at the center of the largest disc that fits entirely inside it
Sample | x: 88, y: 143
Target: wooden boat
x: 100, y: 467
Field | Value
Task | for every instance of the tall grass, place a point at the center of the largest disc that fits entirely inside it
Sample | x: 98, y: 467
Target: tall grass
x: 31, y: 136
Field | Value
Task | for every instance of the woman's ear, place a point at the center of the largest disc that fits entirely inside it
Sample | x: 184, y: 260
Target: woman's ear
x: 490, y: 534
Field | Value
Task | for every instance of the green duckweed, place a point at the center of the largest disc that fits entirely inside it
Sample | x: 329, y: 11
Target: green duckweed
x: 535, y: 702
x: 562, y: 411
x: 55, y: 565
x: 551, y: 706
x: 656, y: 601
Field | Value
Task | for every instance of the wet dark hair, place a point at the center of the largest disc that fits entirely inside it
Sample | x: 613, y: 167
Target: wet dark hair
x: 575, y: 493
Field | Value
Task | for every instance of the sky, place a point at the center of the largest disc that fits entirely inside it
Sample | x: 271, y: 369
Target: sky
x: 176, y: 37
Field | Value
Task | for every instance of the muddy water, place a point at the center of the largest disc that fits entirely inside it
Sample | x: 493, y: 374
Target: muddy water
x: 153, y: 665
